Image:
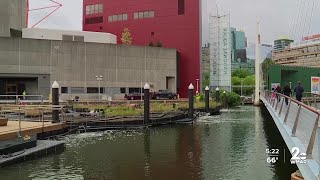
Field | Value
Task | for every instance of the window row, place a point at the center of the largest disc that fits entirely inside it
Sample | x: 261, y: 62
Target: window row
x: 94, y: 9
x: 94, y: 20
x: 119, y: 17
x: 94, y: 90
x: 143, y: 15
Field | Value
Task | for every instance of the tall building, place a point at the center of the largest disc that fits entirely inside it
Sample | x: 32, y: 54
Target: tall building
x: 281, y: 44
x: 239, y: 44
x: 171, y: 23
x: 305, y: 53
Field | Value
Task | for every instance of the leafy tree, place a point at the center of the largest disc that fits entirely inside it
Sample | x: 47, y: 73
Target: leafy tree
x: 205, y: 79
x: 126, y: 36
x: 241, y: 73
x: 265, y: 68
x: 249, y: 80
x: 236, y: 80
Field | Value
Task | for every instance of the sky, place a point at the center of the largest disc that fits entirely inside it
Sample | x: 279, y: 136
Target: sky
x: 278, y: 18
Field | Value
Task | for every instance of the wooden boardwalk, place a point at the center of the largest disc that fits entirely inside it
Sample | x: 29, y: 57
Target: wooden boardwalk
x: 27, y: 128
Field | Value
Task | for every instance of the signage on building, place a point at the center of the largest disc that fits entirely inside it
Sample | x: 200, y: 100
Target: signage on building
x: 315, y: 84
x: 316, y: 36
x: 220, y: 52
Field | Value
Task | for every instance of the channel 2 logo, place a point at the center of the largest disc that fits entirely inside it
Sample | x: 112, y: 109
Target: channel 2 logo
x: 297, y: 157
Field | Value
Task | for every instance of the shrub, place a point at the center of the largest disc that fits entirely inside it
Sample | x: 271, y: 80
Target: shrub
x: 233, y: 99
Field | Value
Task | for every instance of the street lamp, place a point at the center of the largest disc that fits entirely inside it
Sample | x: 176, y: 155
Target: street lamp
x: 99, y: 78
x: 241, y: 86
x: 197, y: 85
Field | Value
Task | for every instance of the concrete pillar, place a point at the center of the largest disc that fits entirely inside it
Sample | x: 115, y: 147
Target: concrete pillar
x: 146, y: 103
x: 55, y: 102
x: 191, y: 101
x: 206, y: 99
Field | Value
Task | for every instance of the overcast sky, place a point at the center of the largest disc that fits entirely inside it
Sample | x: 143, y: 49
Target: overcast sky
x: 276, y: 16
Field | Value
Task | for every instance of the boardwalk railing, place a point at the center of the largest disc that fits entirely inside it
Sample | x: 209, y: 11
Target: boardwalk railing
x: 303, y: 119
x: 299, y: 121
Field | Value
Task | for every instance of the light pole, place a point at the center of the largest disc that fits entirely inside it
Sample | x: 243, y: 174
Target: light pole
x: 241, y: 86
x: 99, y: 78
x: 197, y: 85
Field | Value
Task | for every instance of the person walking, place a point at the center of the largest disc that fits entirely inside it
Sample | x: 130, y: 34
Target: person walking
x: 287, y: 92
x: 278, y: 90
x: 299, y: 91
x: 24, y: 93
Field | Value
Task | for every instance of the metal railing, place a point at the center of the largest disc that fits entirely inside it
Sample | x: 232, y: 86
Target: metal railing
x: 302, y: 119
x: 16, y: 99
x: 23, y: 117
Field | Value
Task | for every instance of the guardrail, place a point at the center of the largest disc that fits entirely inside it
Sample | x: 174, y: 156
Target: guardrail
x: 301, y: 118
x: 30, y: 116
x: 16, y: 99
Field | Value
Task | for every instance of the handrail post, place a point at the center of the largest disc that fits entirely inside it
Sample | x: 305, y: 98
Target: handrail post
x: 315, y: 101
x: 294, y: 129
x: 287, y: 113
x: 19, y: 121
x: 281, y: 107
x: 277, y: 104
x: 312, y: 138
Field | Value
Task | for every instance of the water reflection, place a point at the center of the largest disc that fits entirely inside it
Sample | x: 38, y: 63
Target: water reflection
x: 229, y: 146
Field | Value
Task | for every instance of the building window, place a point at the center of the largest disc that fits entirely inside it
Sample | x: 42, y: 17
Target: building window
x: 136, y: 15
x: 180, y: 7
x: 64, y: 90
x: 134, y: 90
x: 67, y: 38
x: 125, y: 17
x: 122, y: 90
x: 77, y: 90
x: 140, y: 15
x: 91, y: 90
x: 143, y: 15
x: 151, y: 14
x: 94, y: 20
x: 94, y: 9
x: 119, y: 17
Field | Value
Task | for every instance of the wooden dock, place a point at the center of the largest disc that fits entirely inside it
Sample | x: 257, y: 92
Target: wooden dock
x: 11, y: 131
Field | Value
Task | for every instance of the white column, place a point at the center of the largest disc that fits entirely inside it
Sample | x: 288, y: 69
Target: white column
x: 257, y: 67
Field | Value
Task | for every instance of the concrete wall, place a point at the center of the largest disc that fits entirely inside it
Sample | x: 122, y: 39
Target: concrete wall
x: 49, y: 34
x: 12, y: 15
x: 75, y: 64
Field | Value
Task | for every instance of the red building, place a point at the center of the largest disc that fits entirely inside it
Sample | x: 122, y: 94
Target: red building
x: 173, y: 23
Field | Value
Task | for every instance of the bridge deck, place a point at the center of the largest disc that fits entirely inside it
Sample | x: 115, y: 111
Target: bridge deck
x: 298, y: 125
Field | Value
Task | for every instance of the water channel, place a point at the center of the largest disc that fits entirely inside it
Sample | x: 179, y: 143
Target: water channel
x: 229, y: 146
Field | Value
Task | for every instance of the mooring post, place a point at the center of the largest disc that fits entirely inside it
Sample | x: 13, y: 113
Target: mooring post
x: 217, y: 94
x: 146, y: 103
x: 225, y: 99
x: 206, y: 98
x: 55, y: 102
x: 191, y: 101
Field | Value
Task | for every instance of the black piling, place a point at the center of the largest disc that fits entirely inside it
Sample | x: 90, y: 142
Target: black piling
x: 55, y: 102
x: 206, y: 98
x: 191, y: 101
x: 146, y: 103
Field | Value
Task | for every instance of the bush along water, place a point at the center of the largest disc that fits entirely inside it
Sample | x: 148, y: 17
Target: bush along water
x: 232, y: 98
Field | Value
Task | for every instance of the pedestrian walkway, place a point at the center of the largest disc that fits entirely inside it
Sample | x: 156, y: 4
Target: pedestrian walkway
x: 298, y: 124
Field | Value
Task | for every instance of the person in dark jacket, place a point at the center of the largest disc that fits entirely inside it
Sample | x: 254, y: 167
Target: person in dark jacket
x: 278, y: 90
x: 299, y: 91
x: 287, y: 92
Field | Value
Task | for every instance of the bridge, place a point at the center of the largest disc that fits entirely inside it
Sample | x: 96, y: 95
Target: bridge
x: 298, y: 124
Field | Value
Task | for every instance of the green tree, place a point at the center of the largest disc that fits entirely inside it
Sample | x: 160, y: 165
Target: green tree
x: 205, y: 79
x: 241, y: 73
x: 126, y: 36
x: 265, y: 68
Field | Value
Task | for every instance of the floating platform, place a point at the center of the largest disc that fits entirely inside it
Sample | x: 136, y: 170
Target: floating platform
x: 11, y: 131
x: 43, y: 148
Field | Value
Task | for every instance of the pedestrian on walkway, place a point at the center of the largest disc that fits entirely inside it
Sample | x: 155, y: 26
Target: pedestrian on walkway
x: 278, y: 90
x: 24, y: 93
x: 299, y: 91
x: 287, y: 92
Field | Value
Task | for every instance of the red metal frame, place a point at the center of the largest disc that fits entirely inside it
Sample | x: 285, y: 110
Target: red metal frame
x: 57, y: 6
